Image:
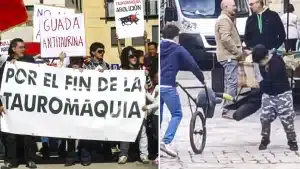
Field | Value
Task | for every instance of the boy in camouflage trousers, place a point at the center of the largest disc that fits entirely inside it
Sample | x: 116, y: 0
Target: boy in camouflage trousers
x: 277, y: 99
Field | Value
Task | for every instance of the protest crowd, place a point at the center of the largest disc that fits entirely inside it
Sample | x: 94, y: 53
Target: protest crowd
x: 146, y: 145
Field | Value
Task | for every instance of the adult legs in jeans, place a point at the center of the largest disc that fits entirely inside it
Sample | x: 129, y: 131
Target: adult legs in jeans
x: 170, y: 97
x: 230, y: 79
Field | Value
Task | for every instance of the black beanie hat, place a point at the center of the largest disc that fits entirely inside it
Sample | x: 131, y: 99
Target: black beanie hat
x: 259, y: 52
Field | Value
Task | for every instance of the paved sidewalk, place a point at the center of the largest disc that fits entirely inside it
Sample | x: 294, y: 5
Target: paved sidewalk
x: 230, y: 144
x: 97, y: 166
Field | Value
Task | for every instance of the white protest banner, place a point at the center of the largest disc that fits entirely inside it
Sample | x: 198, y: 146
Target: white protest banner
x: 4, y: 45
x: 129, y: 18
x: 65, y: 103
x: 63, y: 34
x: 41, y: 11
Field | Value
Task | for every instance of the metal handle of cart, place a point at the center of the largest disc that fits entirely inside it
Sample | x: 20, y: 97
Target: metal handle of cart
x: 190, y: 97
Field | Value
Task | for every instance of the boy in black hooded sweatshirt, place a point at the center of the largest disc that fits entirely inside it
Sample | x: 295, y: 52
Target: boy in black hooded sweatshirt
x: 277, y: 99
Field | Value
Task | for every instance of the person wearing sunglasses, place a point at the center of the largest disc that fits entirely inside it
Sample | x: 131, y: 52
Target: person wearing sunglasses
x: 130, y: 61
x: 263, y: 27
x: 96, y: 62
x: 97, y: 51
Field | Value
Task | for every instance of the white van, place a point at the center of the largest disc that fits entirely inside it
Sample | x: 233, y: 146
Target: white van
x: 196, y: 20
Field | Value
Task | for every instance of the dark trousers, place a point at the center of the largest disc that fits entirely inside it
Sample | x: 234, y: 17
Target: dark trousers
x: 70, y: 147
x: 102, y: 147
x: 11, y: 148
x: 290, y: 44
x: 124, y: 147
x: 247, y: 105
x: 153, y: 144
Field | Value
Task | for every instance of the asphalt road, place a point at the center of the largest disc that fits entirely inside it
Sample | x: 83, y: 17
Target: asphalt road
x: 230, y: 144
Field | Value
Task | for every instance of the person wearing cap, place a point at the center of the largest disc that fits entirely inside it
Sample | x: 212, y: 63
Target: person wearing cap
x: 173, y: 58
x: 277, y: 98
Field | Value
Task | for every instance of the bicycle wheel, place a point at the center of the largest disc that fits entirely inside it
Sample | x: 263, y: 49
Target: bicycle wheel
x: 197, y: 132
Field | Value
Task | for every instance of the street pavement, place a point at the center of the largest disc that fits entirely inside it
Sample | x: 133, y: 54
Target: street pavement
x: 230, y: 144
x: 56, y: 163
x: 136, y: 165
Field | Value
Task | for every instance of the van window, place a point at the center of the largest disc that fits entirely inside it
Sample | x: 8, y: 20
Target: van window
x: 209, y: 8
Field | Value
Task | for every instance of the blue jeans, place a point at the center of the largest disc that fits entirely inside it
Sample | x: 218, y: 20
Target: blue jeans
x: 170, y: 96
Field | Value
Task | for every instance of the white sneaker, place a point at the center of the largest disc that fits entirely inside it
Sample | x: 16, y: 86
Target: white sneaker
x: 166, y: 148
x: 122, y: 160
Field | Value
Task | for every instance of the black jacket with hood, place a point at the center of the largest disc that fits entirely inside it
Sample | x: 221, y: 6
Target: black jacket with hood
x: 272, y: 33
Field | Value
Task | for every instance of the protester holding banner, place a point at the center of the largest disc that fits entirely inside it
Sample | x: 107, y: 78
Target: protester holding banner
x: 130, y: 62
x: 16, y: 52
x: 96, y: 62
x: 152, y: 108
x: 97, y: 51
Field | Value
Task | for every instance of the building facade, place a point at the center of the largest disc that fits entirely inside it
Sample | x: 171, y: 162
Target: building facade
x: 99, y: 24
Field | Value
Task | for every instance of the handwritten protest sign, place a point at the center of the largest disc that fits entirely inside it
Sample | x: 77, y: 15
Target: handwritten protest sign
x: 63, y: 34
x: 63, y: 103
x: 129, y: 18
x: 4, y: 45
x: 41, y: 11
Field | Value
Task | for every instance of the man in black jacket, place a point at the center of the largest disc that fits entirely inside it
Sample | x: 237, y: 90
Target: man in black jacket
x: 264, y: 27
x: 16, y: 53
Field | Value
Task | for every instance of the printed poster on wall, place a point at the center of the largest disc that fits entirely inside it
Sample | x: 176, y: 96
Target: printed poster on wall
x: 129, y: 18
x: 41, y: 11
x: 63, y: 34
